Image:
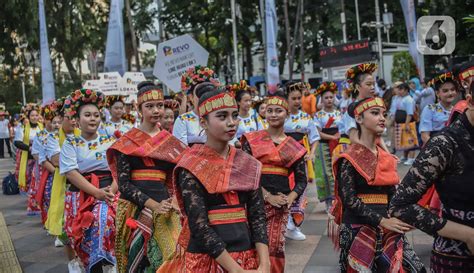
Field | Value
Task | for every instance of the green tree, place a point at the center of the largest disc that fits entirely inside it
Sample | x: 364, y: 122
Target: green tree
x: 403, y: 66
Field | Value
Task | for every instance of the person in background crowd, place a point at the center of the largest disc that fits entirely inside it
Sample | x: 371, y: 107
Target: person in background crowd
x: 434, y: 116
x: 415, y: 88
x: 248, y: 122
x: 218, y: 192
x: 24, y: 137
x: 301, y: 127
x: 167, y: 121
x: 186, y: 127
x: 427, y: 95
x: 366, y: 177
x: 345, y: 101
x: 308, y: 101
x: 115, y: 104
x: 142, y: 162
x: 91, y: 197
x: 130, y: 112
x: 447, y: 162
x: 4, y: 134
x: 380, y: 88
x: 401, y: 115
x: 327, y: 121
x: 260, y: 109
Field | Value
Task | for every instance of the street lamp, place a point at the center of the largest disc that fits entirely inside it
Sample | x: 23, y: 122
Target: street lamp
x: 22, y: 78
x: 387, y: 21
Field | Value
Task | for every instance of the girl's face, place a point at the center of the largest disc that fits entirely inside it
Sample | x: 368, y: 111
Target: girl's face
x: 116, y: 110
x: 373, y: 120
x: 68, y: 124
x: 262, y: 110
x: 33, y: 117
x: 221, y: 125
x: 152, y: 111
x: 56, y: 123
x: 328, y: 99
x: 168, y: 119
x: 447, y: 93
x: 89, y: 118
x: 402, y: 92
x: 412, y: 85
x: 294, y: 100
x: 367, y: 87
x: 245, y: 102
x: 276, y: 116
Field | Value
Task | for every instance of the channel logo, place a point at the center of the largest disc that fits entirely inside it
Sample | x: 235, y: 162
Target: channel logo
x: 436, y: 35
x: 167, y: 50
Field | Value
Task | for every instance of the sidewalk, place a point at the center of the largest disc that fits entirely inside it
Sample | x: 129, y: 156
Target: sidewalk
x: 36, y: 252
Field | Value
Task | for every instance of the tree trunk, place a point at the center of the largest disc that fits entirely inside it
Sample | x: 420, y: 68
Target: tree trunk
x: 72, y: 70
x: 295, y: 33
x: 302, y: 41
x: 132, y: 34
x: 247, y: 43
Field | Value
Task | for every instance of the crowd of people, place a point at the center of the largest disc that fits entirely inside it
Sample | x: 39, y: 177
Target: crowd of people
x: 214, y: 178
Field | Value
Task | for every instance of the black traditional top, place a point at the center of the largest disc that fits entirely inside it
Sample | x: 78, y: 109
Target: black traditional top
x: 197, y: 202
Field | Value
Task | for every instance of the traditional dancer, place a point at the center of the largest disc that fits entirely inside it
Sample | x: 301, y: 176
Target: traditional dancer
x: 434, y: 116
x: 218, y: 191
x: 248, y: 121
x: 260, y: 109
x: 401, y: 114
x: 301, y: 127
x: 327, y: 121
x: 280, y: 155
x: 142, y: 162
x: 52, y: 123
x: 90, y: 198
x: 366, y: 176
x: 24, y: 136
x: 186, y: 127
x: 115, y: 104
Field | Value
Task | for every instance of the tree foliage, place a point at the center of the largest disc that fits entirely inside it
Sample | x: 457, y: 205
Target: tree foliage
x: 403, y: 66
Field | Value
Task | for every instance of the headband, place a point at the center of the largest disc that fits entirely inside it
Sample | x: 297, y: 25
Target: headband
x: 467, y: 73
x: 442, y: 78
x: 326, y: 86
x: 278, y: 101
x: 368, y: 104
x: 153, y: 94
x: 217, y: 102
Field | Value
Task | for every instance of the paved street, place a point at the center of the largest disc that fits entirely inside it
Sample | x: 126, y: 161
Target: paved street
x: 36, y: 252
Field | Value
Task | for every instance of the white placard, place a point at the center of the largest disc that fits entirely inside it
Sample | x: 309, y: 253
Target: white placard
x: 129, y: 82
x: 110, y: 83
x: 175, y: 56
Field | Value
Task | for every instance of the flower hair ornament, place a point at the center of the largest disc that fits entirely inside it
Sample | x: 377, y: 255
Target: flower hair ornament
x: 326, y: 86
x: 110, y: 100
x: 352, y: 72
x: 27, y: 108
x: 240, y: 86
x: 53, y: 109
x: 437, y: 81
x: 196, y: 75
x: 82, y: 97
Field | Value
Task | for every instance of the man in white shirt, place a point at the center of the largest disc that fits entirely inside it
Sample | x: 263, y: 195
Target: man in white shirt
x: 4, y: 135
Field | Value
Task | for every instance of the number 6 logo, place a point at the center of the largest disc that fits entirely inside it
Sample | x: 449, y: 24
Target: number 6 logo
x: 436, y: 35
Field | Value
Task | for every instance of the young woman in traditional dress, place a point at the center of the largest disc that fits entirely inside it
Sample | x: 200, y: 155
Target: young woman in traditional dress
x: 248, y: 121
x: 301, y: 127
x: 115, y: 105
x: 327, y: 121
x: 52, y: 123
x: 218, y: 193
x: 446, y: 161
x: 281, y: 156
x: 187, y: 127
x: 24, y: 136
x: 90, y: 197
x: 366, y: 176
x: 142, y: 162
x: 260, y: 108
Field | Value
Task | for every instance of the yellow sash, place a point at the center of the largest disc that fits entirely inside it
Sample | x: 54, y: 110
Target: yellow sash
x: 24, y: 157
x: 309, y: 163
x: 54, y: 221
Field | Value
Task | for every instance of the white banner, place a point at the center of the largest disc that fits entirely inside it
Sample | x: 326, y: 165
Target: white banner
x: 129, y: 82
x: 111, y: 83
x: 47, y: 80
x: 271, y: 30
x: 115, y: 59
x: 408, y: 7
x: 175, y: 56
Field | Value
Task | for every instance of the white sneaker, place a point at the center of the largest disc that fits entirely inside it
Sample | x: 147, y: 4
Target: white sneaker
x: 409, y: 162
x: 74, y: 266
x: 295, y: 234
x: 58, y: 243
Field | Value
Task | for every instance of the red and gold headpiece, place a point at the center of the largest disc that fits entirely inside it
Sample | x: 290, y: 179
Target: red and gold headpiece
x: 276, y: 100
x: 352, y: 72
x: 437, y: 81
x: 326, y: 86
x: 217, y: 102
x: 368, y: 104
x: 152, y: 94
x: 110, y: 100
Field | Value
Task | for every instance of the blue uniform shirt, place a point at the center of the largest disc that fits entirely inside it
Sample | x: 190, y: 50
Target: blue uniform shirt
x: 433, y: 118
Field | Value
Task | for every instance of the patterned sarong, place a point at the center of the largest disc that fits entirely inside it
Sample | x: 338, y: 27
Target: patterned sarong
x: 405, y: 139
x: 323, y: 171
x: 277, y: 219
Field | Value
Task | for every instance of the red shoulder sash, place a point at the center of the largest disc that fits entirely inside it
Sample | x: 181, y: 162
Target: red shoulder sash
x: 263, y: 149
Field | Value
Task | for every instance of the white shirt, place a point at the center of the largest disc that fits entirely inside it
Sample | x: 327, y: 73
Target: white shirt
x: 4, y: 132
